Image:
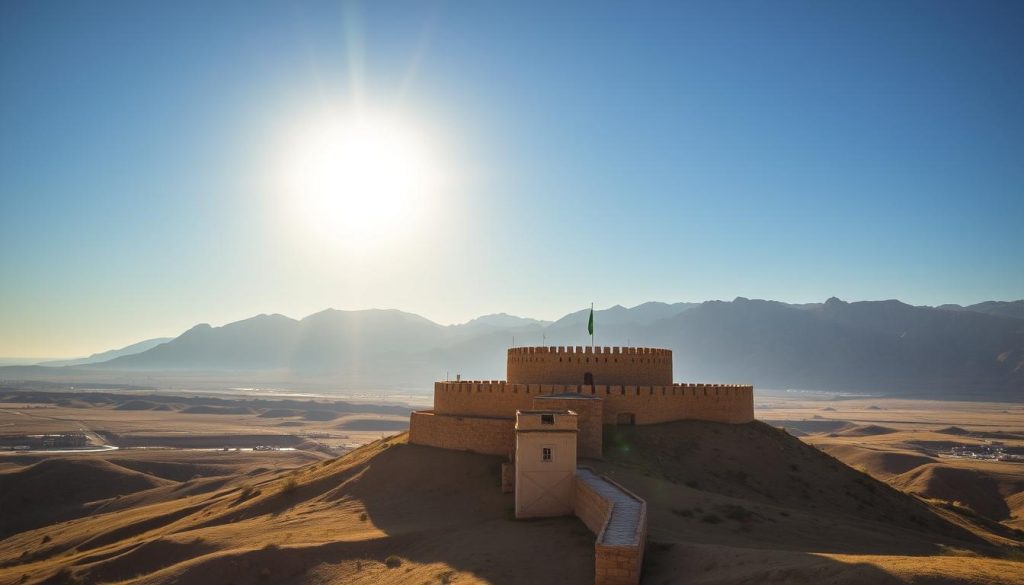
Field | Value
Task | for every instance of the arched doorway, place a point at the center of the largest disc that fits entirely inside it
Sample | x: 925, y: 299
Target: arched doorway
x: 625, y: 418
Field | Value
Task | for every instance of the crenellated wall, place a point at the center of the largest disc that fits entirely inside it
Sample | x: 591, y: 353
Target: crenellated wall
x: 631, y: 385
x: 649, y: 404
x: 606, y: 365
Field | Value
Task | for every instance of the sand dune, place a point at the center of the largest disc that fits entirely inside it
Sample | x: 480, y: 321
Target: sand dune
x: 866, y: 431
x: 969, y: 486
x: 280, y: 413
x: 226, y: 410
x: 136, y: 405
x: 882, y: 463
x: 57, y: 489
x: 812, y: 426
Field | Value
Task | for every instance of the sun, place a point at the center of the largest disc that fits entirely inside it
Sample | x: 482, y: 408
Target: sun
x: 357, y: 179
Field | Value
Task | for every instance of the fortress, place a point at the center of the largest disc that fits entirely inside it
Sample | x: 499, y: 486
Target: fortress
x: 552, y: 407
x: 603, y: 385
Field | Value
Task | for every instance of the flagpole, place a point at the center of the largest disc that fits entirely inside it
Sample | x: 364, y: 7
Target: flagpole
x: 591, y: 329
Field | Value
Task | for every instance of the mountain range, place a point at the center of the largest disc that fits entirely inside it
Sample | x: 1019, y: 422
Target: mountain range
x: 888, y: 347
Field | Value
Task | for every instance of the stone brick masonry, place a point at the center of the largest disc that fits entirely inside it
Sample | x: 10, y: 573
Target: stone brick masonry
x: 493, y: 436
x: 619, y: 519
x: 604, y: 365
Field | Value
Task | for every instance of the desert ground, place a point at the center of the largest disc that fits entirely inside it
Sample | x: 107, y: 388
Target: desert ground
x: 133, y: 420
x: 819, y: 490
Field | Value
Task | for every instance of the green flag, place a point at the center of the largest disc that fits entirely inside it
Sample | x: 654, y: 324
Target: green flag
x: 590, y: 323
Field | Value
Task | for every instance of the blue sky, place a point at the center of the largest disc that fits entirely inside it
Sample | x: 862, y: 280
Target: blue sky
x: 612, y: 153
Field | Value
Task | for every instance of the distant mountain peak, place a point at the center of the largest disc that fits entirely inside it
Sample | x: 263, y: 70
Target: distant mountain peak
x: 502, y: 320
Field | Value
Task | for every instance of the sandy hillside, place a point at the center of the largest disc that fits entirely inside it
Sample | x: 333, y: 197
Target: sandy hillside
x: 439, y: 513
x: 728, y: 504
x: 942, y: 450
x: 752, y: 504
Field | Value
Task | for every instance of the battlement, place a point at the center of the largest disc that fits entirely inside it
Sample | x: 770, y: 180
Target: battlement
x: 589, y: 365
x: 584, y: 349
x: 645, y: 404
x: 501, y: 386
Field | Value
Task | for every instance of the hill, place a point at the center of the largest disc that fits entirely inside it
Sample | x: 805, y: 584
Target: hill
x: 56, y: 489
x: 727, y: 504
x: 108, y: 355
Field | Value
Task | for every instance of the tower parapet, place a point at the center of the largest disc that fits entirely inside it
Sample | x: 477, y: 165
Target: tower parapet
x: 590, y: 365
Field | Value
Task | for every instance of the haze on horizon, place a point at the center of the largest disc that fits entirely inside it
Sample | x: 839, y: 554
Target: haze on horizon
x: 165, y: 165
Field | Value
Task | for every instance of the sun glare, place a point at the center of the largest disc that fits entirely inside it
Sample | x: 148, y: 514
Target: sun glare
x: 357, y: 180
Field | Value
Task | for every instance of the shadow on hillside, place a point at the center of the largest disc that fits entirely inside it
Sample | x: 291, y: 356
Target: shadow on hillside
x: 672, y: 563
x: 440, y: 506
x: 755, y: 485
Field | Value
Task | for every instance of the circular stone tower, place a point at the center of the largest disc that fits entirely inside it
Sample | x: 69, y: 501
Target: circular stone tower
x: 641, y: 366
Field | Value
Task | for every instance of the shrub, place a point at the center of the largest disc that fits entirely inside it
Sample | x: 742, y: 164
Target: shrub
x: 392, y: 562
x: 363, y: 517
x: 446, y: 577
x: 289, y: 485
x: 46, y: 538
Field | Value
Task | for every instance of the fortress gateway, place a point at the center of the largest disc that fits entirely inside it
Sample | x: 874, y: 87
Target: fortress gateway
x: 602, y: 385
x: 553, y: 408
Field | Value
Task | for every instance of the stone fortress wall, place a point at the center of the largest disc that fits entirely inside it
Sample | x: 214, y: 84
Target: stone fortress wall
x: 729, y: 403
x: 606, y: 365
x: 478, y: 415
x: 493, y: 436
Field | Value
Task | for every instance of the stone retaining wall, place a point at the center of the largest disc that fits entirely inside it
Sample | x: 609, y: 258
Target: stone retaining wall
x: 492, y: 436
x: 615, y: 563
